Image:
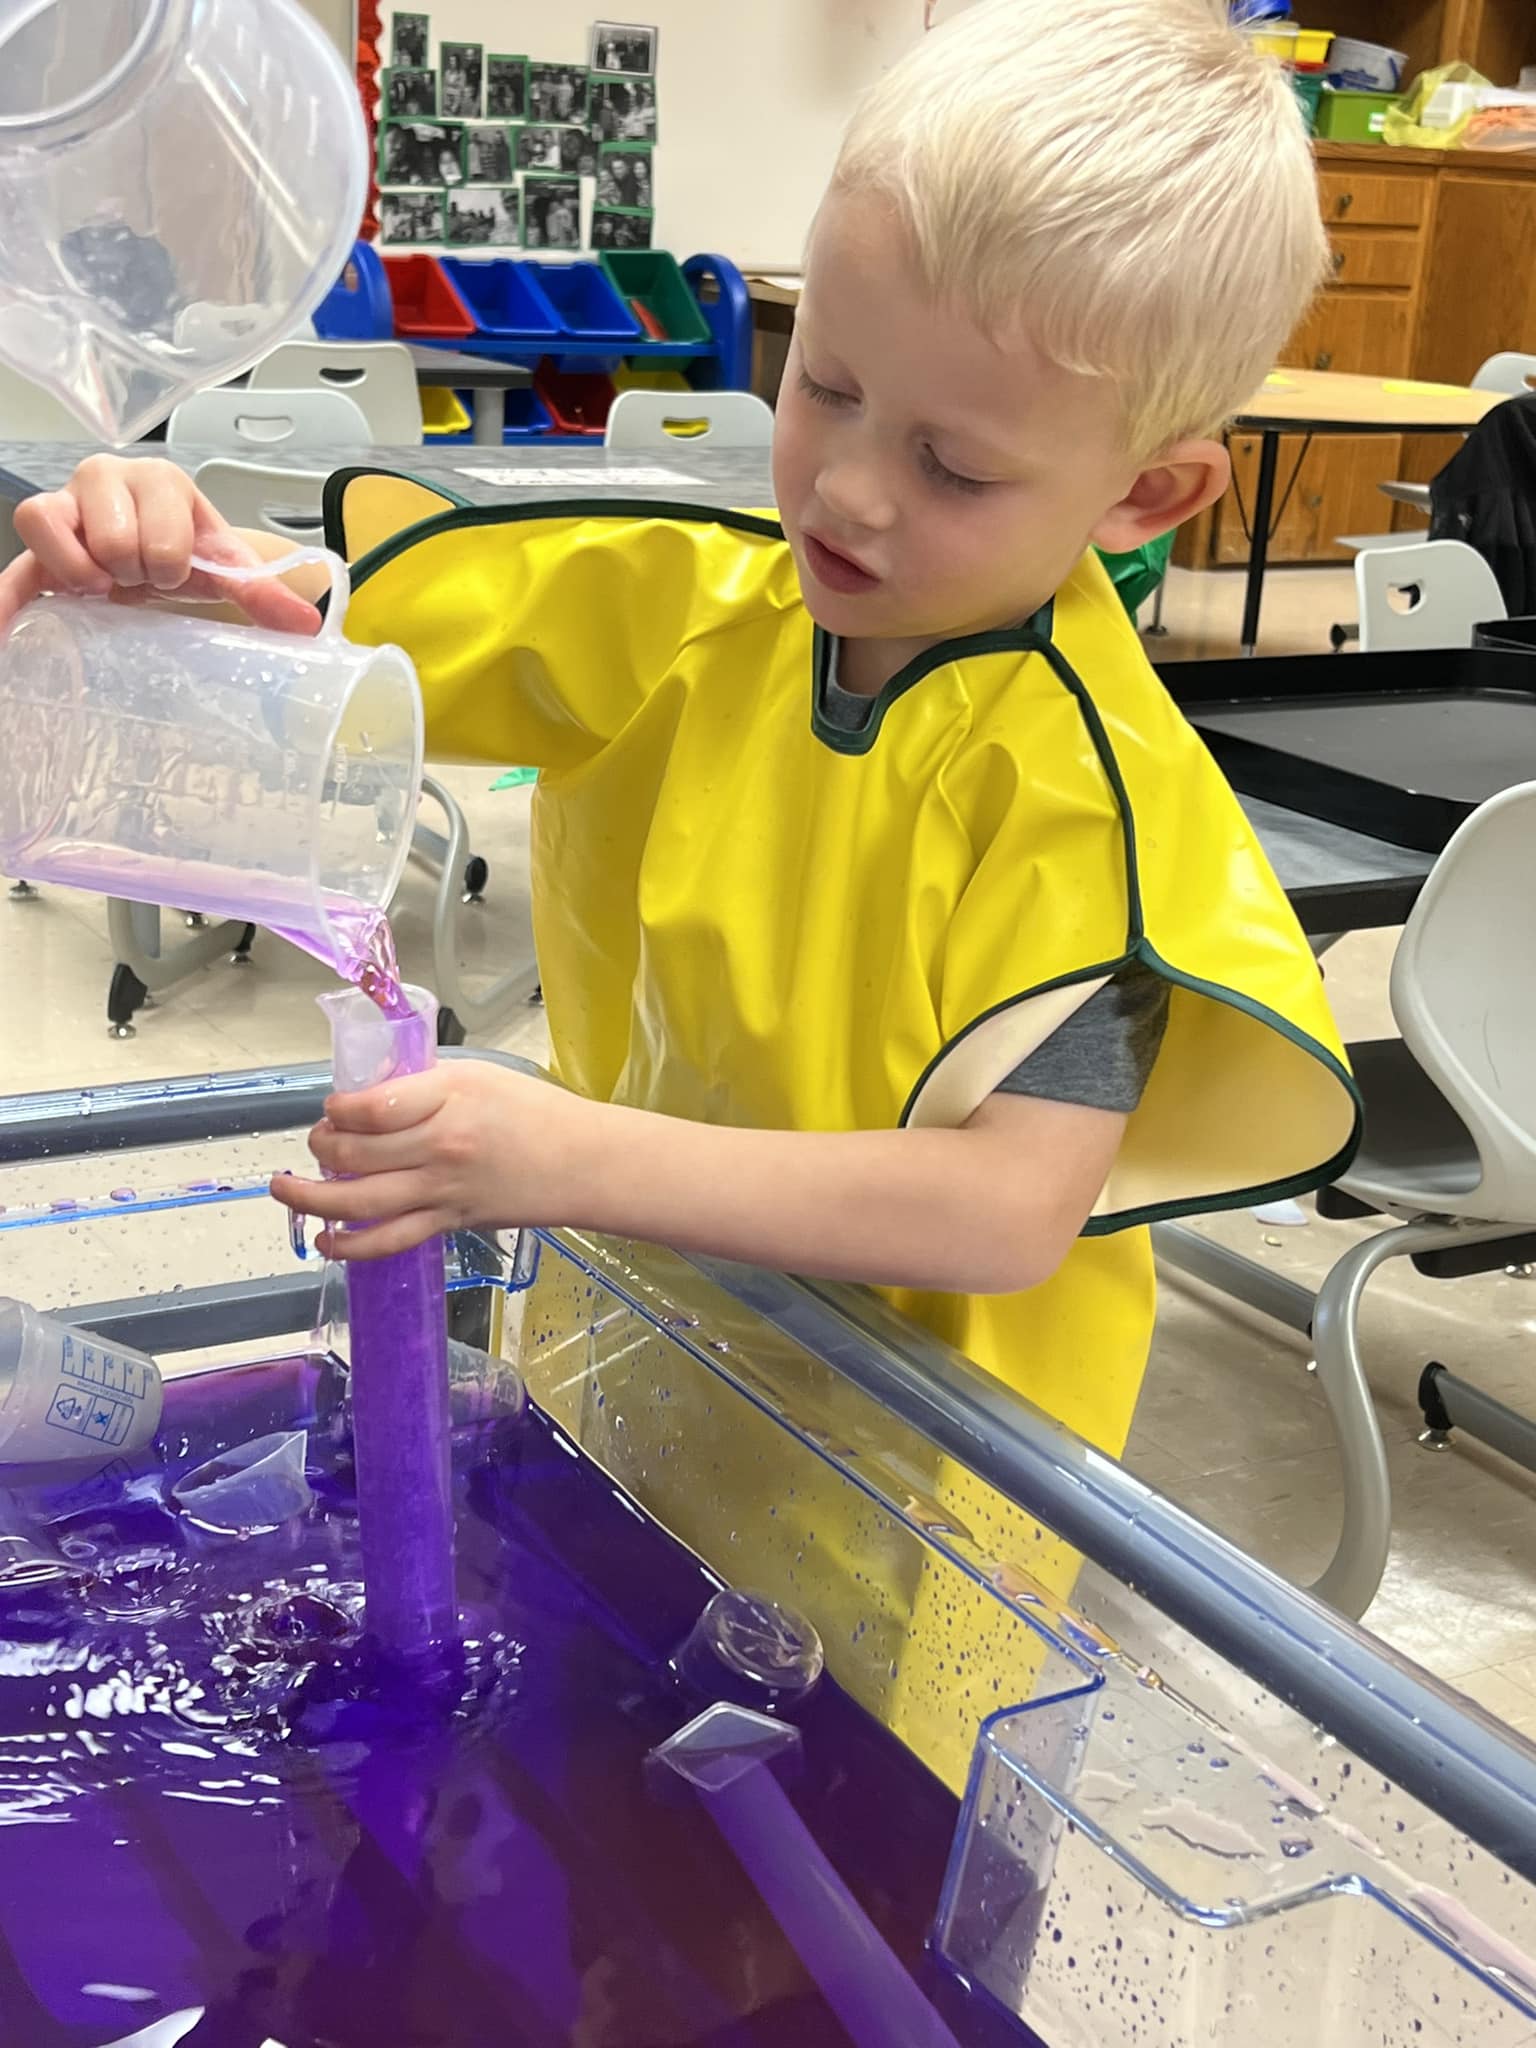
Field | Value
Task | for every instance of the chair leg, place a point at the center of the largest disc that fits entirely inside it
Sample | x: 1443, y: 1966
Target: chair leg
x: 1354, y: 1573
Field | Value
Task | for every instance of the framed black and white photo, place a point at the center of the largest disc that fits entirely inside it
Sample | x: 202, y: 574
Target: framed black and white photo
x: 410, y: 217
x: 557, y: 92
x: 506, y: 88
x: 538, y: 149
x: 421, y: 153
x: 479, y: 217
x: 408, y: 38
x: 409, y: 92
x: 624, y: 175
x: 551, y: 212
x: 623, y: 46
x: 624, y: 109
x: 462, y: 66
x: 620, y: 227
x: 488, y: 155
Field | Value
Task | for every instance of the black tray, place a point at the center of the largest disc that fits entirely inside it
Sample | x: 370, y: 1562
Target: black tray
x: 1402, y: 747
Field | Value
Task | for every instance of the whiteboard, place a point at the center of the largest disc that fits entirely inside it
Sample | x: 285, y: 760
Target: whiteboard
x: 752, y: 98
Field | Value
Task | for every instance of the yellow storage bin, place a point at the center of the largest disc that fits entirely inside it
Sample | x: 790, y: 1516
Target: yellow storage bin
x: 1293, y: 45
x: 441, y: 412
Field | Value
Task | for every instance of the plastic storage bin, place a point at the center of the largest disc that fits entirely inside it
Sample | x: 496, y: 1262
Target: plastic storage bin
x: 1366, y: 67
x: 1308, y: 88
x: 527, y: 417
x: 1293, y: 45
x: 504, y: 298
x: 578, y: 400
x: 652, y: 279
x: 444, y: 415
x: 1352, y: 116
x: 425, y: 300
x: 357, y: 307
x: 585, y: 303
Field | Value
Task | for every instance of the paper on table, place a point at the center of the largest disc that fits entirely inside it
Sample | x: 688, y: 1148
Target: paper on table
x: 1406, y: 386
x: 583, y: 479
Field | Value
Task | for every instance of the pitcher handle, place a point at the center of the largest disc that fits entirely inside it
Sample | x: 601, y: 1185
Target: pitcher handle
x: 260, y: 572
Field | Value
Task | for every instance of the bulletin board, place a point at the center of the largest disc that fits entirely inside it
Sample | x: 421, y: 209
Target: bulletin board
x: 723, y: 144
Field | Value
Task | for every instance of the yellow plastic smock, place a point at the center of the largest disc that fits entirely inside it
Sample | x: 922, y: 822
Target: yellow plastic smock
x: 747, y: 916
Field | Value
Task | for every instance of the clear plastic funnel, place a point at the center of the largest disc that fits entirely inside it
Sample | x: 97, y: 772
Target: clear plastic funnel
x: 190, y: 175
x: 242, y: 773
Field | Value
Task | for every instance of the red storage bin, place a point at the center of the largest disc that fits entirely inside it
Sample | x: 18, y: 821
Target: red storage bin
x: 578, y: 401
x: 426, y: 303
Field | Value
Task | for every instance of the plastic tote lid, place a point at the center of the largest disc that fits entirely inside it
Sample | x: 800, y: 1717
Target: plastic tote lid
x: 180, y: 184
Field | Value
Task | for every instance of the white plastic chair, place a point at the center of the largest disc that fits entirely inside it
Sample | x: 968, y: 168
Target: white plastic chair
x: 285, y: 501
x: 1449, y: 1147
x: 649, y: 419
x: 378, y: 376
x: 256, y: 423
x: 1450, y: 590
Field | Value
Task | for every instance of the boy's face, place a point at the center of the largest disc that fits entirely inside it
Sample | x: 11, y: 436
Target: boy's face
x: 931, y: 481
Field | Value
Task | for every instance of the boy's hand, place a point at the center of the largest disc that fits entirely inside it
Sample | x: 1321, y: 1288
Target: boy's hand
x: 466, y: 1143
x: 128, y: 528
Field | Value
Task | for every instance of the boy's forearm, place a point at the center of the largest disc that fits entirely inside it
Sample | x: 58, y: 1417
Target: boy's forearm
x: 944, y: 1209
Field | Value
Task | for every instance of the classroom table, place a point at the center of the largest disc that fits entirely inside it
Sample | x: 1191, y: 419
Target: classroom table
x: 1314, y: 402
x: 1338, y: 880
x: 488, y: 380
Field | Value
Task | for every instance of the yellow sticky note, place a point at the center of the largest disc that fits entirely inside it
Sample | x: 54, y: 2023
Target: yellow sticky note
x: 1276, y: 377
x: 1405, y: 387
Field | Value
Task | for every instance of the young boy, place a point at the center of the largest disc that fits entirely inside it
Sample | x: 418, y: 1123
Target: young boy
x: 893, y: 925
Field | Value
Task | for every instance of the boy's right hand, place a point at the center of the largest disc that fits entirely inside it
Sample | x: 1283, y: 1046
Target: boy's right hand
x: 128, y: 528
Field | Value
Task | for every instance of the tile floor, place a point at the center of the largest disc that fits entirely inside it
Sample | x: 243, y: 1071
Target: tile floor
x: 1230, y: 1423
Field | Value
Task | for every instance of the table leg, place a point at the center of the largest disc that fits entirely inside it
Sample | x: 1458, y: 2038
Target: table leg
x: 1258, y: 549
x: 490, y: 416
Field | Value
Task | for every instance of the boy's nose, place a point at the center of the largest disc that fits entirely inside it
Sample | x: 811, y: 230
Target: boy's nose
x: 855, y: 495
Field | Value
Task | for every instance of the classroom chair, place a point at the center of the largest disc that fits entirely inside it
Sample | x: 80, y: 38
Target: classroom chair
x: 282, y: 501
x: 1449, y: 590
x: 1448, y: 1157
x: 378, y: 376
x: 669, y: 419
x: 257, y: 423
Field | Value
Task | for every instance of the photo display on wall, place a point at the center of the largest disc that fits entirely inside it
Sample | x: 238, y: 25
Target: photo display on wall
x: 481, y: 148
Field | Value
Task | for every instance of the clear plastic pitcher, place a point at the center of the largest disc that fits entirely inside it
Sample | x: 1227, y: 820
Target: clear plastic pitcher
x: 180, y: 184
x: 243, y: 773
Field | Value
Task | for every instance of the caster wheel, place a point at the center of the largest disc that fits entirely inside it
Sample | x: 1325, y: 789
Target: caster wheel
x: 126, y: 995
x: 449, y: 1030
x: 23, y: 892
x: 122, y: 1031
x: 195, y: 920
x: 476, y: 875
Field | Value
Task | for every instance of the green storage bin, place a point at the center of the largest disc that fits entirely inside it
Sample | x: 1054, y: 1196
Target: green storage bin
x: 1353, y: 116
x: 653, y: 279
x: 1308, y: 88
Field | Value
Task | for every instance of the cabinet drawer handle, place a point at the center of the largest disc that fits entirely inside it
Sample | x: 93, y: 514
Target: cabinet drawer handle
x: 1338, y: 261
x: 1323, y: 359
x: 1344, y: 201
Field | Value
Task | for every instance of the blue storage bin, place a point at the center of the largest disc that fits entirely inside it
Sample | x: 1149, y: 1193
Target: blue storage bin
x: 505, y: 301
x: 527, y: 417
x: 358, y: 307
x: 585, y: 303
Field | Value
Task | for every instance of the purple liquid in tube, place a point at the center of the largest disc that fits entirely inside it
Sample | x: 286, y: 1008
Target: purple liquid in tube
x: 399, y: 1345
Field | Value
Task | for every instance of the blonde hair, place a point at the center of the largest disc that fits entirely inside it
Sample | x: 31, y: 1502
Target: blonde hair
x: 1125, y: 179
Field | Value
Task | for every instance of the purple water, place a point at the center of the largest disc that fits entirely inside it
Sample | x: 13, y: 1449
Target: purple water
x: 211, y: 1803
x: 398, y: 1344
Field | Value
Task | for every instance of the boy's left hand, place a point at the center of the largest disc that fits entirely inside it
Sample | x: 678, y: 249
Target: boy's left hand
x: 466, y: 1143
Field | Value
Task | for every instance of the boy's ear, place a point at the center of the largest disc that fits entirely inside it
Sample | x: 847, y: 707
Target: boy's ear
x: 1181, y: 482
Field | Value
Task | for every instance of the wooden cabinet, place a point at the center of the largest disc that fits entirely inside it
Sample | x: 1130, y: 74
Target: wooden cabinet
x: 1431, y: 271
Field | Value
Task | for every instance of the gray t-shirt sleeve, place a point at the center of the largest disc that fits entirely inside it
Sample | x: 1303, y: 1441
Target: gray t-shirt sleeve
x: 1102, y: 1056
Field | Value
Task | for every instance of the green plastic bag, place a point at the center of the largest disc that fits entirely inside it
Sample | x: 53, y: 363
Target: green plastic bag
x: 1137, y: 574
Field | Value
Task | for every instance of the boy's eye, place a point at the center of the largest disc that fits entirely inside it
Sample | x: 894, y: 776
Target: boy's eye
x: 822, y: 394
x: 949, y: 478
